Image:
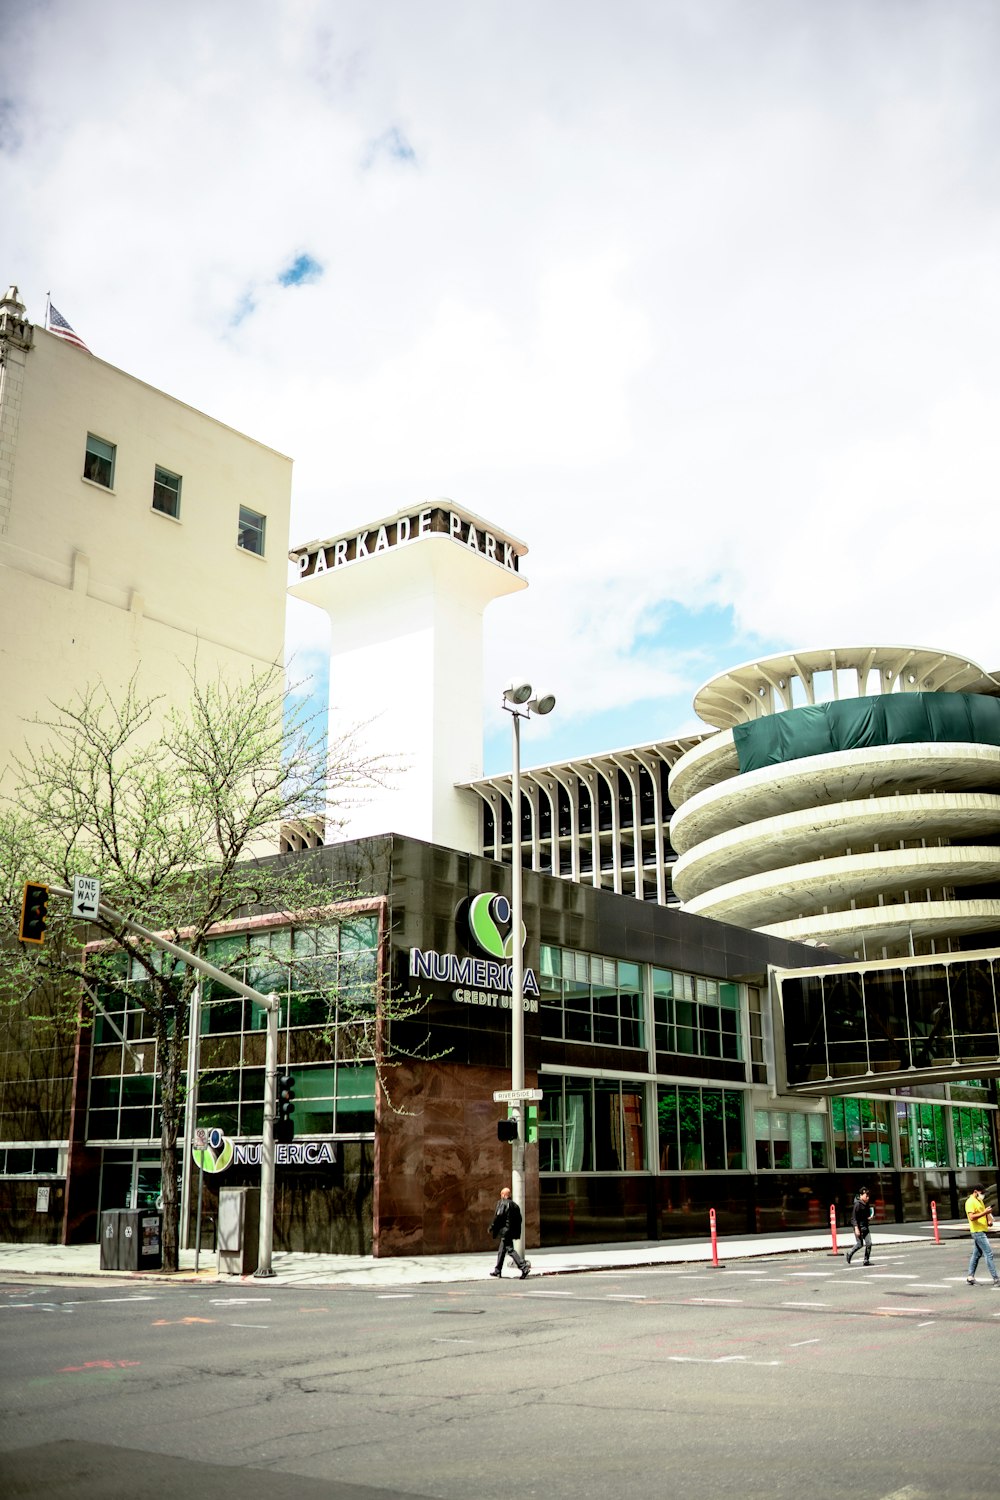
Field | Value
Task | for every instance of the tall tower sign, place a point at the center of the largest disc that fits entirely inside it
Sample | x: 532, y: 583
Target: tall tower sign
x: 406, y: 596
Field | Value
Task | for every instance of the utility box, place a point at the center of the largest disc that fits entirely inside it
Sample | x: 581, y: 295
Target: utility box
x: 131, y: 1239
x: 238, y: 1229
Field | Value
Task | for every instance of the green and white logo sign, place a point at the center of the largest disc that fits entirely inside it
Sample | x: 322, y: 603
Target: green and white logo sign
x: 490, y: 925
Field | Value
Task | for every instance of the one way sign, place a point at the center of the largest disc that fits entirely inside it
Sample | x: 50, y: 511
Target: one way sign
x: 86, y: 895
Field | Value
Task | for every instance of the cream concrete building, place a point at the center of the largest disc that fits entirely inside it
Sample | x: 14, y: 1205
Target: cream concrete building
x: 138, y: 537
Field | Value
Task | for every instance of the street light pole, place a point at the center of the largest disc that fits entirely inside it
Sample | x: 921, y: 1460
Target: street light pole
x: 517, y: 976
x: 520, y: 702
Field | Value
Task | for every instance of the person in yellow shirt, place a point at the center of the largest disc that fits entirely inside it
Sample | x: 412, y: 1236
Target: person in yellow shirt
x: 980, y: 1220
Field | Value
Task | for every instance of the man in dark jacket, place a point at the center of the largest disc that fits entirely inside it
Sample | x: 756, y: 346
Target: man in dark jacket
x: 861, y: 1217
x: 507, y: 1225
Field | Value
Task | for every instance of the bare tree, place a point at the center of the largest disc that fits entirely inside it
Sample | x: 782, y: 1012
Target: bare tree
x: 175, y: 815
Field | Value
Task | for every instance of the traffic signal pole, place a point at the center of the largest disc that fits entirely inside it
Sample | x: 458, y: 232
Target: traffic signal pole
x: 270, y: 1004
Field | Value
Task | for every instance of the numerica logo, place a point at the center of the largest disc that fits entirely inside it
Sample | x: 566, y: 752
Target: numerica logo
x: 484, y: 926
x: 485, y: 923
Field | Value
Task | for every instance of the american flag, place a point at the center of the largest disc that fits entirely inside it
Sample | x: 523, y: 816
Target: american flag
x: 56, y: 323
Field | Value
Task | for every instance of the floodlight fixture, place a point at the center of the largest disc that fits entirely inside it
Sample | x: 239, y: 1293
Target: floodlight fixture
x: 517, y: 692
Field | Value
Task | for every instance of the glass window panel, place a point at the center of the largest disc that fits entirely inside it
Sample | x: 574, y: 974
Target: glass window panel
x: 667, y: 1127
x: 713, y: 1129
x: 104, y: 1093
x: 781, y: 1144
x: 689, y: 1109
x: 633, y: 1128
x: 250, y: 534
x: 735, y: 1148
x: 166, y: 492
x: 550, y: 964
x: 608, y: 1143
x: 99, y: 461
x: 686, y: 1030
x: 578, y: 1126
x: 799, y: 1134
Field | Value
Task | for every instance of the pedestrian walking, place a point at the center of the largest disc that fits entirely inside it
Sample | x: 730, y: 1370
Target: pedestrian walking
x: 980, y: 1220
x: 506, y: 1227
x: 861, y: 1218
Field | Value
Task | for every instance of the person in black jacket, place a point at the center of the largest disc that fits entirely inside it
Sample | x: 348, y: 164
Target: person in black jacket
x: 507, y: 1226
x: 861, y: 1217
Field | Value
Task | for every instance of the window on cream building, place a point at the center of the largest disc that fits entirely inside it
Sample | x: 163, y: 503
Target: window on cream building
x: 250, y: 536
x: 99, y: 462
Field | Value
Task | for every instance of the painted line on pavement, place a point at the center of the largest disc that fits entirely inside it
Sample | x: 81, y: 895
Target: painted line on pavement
x: 802, y: 1343
x: 805, y: 1304
x: 715, y: 1301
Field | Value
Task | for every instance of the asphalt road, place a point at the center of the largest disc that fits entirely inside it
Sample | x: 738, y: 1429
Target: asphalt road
x: 791, y: 1377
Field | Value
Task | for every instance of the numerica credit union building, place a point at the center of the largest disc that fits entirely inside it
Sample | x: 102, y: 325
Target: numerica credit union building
x: 650, y: 1032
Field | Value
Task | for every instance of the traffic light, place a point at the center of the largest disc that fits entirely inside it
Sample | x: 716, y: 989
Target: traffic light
x: 506, y: 1130
x: 34, y: 913
x: 284, y: 1125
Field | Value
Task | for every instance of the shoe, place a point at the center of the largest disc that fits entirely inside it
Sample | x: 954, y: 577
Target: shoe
x: 527, y: 1267
x: 866, y: 1262
x: 847, y: 1257
x: 494, y: 1273
x: 996, y: 1281
x: 971, y: 1280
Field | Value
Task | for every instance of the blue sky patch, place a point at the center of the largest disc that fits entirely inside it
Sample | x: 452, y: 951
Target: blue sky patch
x: 301, y: 270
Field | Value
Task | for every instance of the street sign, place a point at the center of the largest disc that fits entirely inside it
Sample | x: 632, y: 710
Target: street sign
x: 514, y: 1096
x: 86, y: 895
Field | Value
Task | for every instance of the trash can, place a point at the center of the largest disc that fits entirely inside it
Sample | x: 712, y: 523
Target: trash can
x: 140, y: 1239
x: 238, y: 1230
x: 110, y: 1228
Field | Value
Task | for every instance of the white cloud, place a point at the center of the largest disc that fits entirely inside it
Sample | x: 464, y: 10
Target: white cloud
x: 699, y: 299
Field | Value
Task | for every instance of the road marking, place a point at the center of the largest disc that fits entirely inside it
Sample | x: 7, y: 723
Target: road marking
x: 906, y: 1312
x: 926, y: 1325
x: 725, y: 1359
x: 249, y: 1325
x: 394, y: 1296
x: 809, y: 1273
x: 717, y: 1301
x: 237, y: 1301
x: 552, y: 1294
x: 802, y: 1343
x: 748, y: 1273
x: 624, y: 1297
x: 805, y: 1304
x: 453, y: 1341
x: 167, y: 1322
x: 930, y: 1286
x: 892, y: 1276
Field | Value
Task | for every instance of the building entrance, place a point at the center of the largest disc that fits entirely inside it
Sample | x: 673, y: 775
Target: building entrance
x: 130, y: 1178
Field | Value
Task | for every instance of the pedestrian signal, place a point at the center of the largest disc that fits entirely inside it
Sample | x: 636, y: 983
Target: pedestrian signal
x: 532, y: 1135
x: 506, y: 1130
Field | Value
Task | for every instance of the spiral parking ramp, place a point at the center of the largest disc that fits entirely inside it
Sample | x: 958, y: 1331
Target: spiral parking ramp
x: 850, y: 798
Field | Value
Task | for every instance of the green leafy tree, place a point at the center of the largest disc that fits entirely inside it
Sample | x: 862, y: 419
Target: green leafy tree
x: 177, y: 814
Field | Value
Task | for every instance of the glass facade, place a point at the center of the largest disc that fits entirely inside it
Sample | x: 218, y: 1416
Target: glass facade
x: 696, y: 1016
x: 586, y: 998
x: 326, y: 978
x: 923, y: 1017
x: 700, y: 1129
x: 591, y: 1125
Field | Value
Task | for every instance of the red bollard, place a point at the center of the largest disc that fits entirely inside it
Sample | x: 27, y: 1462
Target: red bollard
x: 934, y: 1221
x: 833, y: 1229
x: 715, y: 1241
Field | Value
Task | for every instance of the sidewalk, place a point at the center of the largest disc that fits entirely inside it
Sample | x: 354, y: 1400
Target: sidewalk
x: 298, y: 1269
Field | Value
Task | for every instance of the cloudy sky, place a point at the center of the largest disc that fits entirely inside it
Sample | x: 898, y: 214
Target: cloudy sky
x: 698, y: 297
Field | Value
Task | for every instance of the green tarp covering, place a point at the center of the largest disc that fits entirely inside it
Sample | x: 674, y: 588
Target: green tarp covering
x: 891, y: 719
